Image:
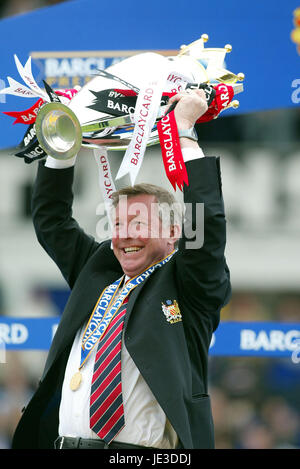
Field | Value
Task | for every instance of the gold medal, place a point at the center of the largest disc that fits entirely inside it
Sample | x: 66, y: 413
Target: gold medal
x: 75, y: 381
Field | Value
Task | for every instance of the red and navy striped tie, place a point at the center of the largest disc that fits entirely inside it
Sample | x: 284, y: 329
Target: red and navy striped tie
x: 106, y: 403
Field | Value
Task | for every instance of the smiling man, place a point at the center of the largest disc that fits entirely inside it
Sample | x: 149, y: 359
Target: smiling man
x: 141, y: 235
x: 128, y: 364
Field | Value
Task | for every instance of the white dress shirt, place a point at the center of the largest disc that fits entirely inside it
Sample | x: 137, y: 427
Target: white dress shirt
x: 145, y: 421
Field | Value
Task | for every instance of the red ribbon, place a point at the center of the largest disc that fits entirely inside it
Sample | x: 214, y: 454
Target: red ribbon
x: 171, y: 151
x: 28, y: 116
x: 66, y: 93
x: 224, y: 95
x: 125, y: 92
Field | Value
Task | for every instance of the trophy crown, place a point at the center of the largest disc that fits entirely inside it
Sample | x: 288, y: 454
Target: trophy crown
x: 212, y: 60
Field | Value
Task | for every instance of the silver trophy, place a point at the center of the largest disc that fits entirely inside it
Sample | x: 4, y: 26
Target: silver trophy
x: 101, y: 114
x: 106, y: 112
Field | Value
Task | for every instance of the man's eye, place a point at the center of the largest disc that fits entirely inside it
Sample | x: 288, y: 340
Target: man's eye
x: 139, y: 223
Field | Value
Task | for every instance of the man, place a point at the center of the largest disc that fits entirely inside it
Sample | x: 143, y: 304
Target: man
x: 169, y: 314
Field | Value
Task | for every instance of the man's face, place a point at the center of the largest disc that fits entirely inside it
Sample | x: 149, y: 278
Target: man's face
x: 139, y: 238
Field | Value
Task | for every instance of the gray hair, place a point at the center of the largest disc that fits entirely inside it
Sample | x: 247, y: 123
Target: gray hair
x: 170, y: 210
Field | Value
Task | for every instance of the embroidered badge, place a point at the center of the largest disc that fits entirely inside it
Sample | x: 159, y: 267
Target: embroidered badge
x: 171, y: 311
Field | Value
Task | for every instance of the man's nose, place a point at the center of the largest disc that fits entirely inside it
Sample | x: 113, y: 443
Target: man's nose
x: 130, y: 230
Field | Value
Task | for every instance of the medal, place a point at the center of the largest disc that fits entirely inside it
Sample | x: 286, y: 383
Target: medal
x: 75, y: 381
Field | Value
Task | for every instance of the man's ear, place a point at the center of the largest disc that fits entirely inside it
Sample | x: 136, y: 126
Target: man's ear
x: 175, y: 233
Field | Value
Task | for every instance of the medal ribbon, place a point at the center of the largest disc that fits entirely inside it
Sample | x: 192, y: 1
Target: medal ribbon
x: 108, y: 305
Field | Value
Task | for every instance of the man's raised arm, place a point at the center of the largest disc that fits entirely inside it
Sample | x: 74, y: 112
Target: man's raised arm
x: 57, y: 231
x: 203, y: 274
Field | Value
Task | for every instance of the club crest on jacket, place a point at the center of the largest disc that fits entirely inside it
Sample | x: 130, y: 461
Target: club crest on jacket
x: 171, y: 311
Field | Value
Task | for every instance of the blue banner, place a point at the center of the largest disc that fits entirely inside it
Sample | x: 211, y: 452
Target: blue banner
x: 68, y: 42
x: 261, y: 339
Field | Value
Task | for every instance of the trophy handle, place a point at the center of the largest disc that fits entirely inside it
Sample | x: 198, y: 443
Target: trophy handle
x: 58, y: 131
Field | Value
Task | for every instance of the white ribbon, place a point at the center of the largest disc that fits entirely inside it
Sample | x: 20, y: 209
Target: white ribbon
x: 15, y: 88
x: 106, y: 182
x: 146, y: 111
x: 26, y: 74
x: 176, y: 82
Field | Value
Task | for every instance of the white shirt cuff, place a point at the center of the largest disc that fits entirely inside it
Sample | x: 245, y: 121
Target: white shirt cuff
x: 60, y: 164
x: 191, y: 154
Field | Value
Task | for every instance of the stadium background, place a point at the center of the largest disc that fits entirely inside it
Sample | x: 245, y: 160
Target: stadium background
x: 256, y: 400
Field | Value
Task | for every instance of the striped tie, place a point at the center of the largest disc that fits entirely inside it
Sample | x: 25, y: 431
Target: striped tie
x: 106, y: 404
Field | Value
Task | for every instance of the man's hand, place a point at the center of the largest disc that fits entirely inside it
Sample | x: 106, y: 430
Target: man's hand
x: 191, y: 105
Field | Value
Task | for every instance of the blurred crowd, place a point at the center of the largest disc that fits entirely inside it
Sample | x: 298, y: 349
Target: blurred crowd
x: 255, y: 401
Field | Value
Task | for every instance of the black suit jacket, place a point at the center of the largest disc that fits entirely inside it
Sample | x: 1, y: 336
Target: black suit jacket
x: 172, y: 358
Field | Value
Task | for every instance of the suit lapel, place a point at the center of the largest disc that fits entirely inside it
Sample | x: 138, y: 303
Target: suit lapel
x: 132, y: 300
x: 79, y: 308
